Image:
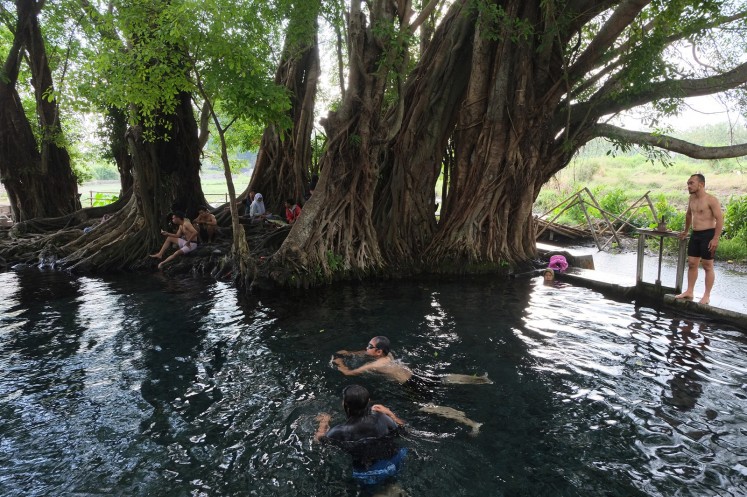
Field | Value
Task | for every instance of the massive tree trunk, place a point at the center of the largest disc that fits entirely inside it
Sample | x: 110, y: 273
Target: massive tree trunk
x: 55, y: 160
x: 335, y: 235
x: 117, y: 122
x: 284, y: 159
x: 404, y: 213
x: 166, y: 178
x: 504, y: 148
x: 39, y: 179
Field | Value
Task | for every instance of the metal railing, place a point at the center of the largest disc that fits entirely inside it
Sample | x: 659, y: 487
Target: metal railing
x: 95, y: 196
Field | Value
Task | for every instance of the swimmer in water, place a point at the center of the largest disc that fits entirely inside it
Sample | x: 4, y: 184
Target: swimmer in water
x: 368, y: 435
x: 383, y: 363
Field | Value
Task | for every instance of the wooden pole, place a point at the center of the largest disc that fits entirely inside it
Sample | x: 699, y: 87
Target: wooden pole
x: 588, y: 219
x: 604, y: 215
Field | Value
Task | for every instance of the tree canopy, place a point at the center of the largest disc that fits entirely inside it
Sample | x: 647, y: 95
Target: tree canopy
x: 493, y: 96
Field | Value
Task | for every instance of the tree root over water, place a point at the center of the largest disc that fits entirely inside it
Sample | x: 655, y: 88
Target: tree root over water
x: 84, y: 243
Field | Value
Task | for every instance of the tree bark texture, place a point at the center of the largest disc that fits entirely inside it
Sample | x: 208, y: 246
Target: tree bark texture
x: 503, y: 153
x: 38, y: 177
x: 405, y: 203
x: 335, y: 235
x: 280, y: 172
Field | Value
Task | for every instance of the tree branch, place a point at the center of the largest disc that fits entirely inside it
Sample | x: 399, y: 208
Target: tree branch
x: 583, y: 11
x: 612, y: 103
x: 618, y: 55
x: 424, y: 15
x: 621, y: 18
x: 668, y: 143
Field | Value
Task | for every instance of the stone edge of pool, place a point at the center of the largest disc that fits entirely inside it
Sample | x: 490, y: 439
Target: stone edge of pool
x: 619, y: 287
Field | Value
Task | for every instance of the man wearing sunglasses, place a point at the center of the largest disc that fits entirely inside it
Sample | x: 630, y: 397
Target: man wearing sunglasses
x: 382, y: 362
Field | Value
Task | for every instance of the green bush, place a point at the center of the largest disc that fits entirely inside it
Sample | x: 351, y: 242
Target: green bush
x: 674, y: 217
x: 82, y: 172
x: 735, y: 218
x: 614, y: 202
x: 101, y: 199
x: 586, y: 170
x: 734, y: 249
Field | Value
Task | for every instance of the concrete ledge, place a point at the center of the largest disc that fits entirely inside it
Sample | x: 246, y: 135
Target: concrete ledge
x: 735, y: 317
x: 605, y: 282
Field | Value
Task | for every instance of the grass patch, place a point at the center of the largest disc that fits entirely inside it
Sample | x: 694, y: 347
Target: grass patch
x: 732, y: 250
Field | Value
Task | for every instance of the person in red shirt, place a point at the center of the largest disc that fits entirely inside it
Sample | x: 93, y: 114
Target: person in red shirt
x: 292, y: 210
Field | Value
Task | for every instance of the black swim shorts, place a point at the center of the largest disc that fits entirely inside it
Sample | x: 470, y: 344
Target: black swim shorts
x: 420, y: 384
x: 698, y: 246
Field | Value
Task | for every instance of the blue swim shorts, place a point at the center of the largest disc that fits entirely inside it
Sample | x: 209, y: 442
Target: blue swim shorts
x: 381, y: 469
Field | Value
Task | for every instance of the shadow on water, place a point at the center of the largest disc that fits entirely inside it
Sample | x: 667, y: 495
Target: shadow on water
x: 155, y: 386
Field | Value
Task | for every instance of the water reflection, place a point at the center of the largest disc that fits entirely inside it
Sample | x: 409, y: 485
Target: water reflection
x: 686, y: 355
x: 156, y: 386
x: 40, y: 326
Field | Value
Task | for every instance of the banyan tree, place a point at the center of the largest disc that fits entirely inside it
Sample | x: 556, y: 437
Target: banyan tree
x: 34, y: 163
x: 492, y: 96
x: 518, y: 86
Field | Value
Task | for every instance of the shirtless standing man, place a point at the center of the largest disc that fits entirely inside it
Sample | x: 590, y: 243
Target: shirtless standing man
x: 705, y: 216
x: 185, y: 237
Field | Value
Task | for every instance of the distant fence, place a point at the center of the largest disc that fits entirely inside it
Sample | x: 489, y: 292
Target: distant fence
x: 95, y: 198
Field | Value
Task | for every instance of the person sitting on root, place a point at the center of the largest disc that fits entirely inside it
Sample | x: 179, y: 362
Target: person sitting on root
x: 206, y: 224
x: 246, y: 203
x: 292, y: 210
x: 257, y: 210
x: 368, y: 435
x: 184, y: 237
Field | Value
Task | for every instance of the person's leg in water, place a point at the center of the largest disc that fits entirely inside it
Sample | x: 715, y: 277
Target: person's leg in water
x: 454, y: 415
x: 466, y: 379
x: 390, y: 490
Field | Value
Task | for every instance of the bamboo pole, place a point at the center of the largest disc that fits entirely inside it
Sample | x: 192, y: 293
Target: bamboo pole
x: 604, y: 215
x: 559, y: 214
x: 588, y: 219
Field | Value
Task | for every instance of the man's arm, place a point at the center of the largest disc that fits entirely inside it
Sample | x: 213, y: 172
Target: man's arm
x: 323, y: 428
x: 716, y: 209
x: 344, y: 369
x: 688, y: 222
x: 385, y: 410
x: 350, y: 352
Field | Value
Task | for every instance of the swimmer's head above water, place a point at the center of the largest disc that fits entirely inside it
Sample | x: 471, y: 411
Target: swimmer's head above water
x: 355, y: 400
x: 376, y: 344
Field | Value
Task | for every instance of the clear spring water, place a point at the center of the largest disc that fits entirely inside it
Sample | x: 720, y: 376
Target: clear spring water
x: 147, y: 385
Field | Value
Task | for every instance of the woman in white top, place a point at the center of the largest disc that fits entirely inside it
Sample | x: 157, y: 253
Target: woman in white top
x: 257, y: 209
